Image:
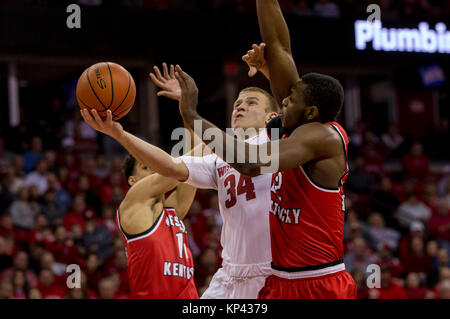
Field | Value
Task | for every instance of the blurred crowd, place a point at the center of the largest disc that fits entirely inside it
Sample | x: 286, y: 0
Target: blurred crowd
x: 398, y: 213
x: 390, y: 9
x: 59, y: 195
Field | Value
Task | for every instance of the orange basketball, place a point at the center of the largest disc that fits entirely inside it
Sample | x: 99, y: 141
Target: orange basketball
x: 106, y: 86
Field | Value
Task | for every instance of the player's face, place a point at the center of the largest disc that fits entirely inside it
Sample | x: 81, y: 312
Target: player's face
x: 293, y: 108
x: 140, y: 171
x: 250, y: 111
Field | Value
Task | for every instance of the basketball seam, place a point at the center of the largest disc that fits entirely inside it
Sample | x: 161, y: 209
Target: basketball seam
x: 89, y: 81
x: 128, y: 91
x: 112, y: 86
x: 82, y: 102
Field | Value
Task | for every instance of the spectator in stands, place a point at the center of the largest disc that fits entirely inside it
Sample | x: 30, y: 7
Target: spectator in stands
x: 115, y: 181
x: 389, y: 289
x: 360, y: 281
x: 38, y: 177
x: 109, y: 219
x: 415, y: 163
x: 199, y: 224
x: 392, y: 140
x: 50, y: 208
x: 207, y: 265
x: 302, y: 9
x: 380, y: 234
x: 22, y: 211
x: 48, y: 287
x: 430, y: 193
x: 94, y: 271
x: 439, y: 224
x: 384, y: 201
x: 418, y: 261
x: 213, y: 211
x: 107, y: 289
x: 360, y: 181
x: 32, y: 157
x: 62, y: 196
x: 385, y: 258
x: 97, y: 239
x: 327, y: 9
x: 6, y: 289
x: 92, y: 200
x: 20, y: 262
x: 78, y: 214
x: 413, y: 288
x: 34, y: 293
x: 359, y: 256
x: 412, y: 210
x: 5, y: 258
x: 6, y: 196
x: 20, y: 285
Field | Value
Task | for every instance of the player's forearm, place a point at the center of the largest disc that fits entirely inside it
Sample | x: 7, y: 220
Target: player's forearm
x: 152, y: 156
x: 265, y: 71
x: 235, y: 152
x: 272, y: 25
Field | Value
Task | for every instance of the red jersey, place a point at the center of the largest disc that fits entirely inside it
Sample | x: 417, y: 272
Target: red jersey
x: 306, y: 220
x: 160, y: 263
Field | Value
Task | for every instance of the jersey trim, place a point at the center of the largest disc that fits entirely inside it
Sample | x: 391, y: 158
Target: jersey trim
x: 324, y: 189
x: 344, y: 144
x: 310, y: 273
x: 307, y: 268
x: 148, y: 232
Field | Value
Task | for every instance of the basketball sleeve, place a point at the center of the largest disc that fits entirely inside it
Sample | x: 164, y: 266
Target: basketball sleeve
x: 202, y: 171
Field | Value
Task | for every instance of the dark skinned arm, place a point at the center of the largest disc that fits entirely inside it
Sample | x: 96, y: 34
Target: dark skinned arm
x: 275, y: 33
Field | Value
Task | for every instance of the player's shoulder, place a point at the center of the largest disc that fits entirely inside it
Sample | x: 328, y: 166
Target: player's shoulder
x: 315, y: 132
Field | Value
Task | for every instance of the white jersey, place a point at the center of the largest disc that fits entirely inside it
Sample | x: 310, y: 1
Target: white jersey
x: 244, y: 204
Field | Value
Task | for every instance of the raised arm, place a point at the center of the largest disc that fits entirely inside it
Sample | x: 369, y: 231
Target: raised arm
x: 307, y: 142
x: 181, y: 199
x: 275, y: 33
x: 144, y: 152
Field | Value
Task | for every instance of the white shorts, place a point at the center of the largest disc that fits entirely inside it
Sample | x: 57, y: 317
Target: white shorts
x: 232, y: 286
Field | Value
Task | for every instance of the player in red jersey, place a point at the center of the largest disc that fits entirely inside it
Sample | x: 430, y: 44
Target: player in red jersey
x: 160, y: 263
x: 307, y: 213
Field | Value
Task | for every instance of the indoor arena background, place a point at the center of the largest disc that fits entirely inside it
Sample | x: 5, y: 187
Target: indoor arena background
x: 60, y: 181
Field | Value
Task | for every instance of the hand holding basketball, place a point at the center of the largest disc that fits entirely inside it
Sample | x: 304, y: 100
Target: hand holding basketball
x: 108, y: 126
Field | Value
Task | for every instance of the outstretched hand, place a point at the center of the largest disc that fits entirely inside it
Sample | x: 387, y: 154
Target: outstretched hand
x: 189, y: 91
x: 108, y: 126
x: 166, y: 82
x: 255, y: 59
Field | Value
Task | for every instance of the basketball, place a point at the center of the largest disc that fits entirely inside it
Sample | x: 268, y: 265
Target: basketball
x: 106, y: 86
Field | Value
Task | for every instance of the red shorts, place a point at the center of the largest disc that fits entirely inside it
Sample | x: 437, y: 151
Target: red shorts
x: 339, y: 285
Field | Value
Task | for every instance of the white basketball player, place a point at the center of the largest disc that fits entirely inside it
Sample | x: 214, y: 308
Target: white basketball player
x: 243, y: 201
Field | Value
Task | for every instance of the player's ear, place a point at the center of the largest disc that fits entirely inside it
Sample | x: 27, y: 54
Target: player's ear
x: 131, y: 180
x: 270, y: 117
x: 311, y: 113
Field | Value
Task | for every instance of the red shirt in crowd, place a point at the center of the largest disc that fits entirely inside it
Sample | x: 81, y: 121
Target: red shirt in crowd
x: 416, y: 166
x: 439, y: 226
x: 393, y: 291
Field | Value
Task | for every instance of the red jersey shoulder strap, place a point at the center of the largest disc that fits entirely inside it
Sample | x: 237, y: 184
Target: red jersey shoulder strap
x: 345, y: 141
